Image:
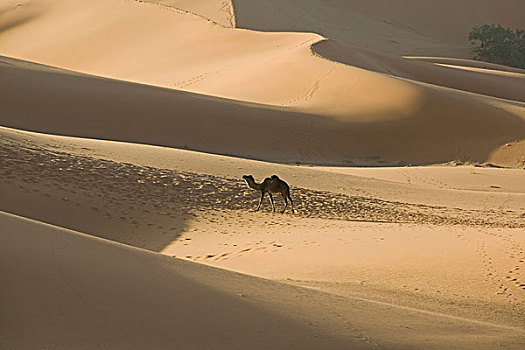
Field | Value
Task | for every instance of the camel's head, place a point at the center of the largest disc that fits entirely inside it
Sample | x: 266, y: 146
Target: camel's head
x: 250, y: 181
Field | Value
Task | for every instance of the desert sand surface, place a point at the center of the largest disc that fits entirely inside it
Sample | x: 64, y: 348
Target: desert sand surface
x: 126, y: 127
x: 466, y: 77
x: 80, y: 105
x: 396, y: 110
x: 94, y: 293
x: 347, y: 241
x: 403, y: 27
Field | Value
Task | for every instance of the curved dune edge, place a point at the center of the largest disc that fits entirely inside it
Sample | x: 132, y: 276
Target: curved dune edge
x: 470, y: 76
x: 364, y: 113
x: 405, y: 27
x: 468, y: 63
x: 76, y: 290
x: 389, y: 258
x: 218, y: 11
x: 397, y: 28
x: 269, y: 68
x: 45, y: 99
x: 345, y: 236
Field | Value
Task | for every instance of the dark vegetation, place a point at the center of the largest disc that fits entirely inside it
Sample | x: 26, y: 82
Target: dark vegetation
x: 497, y: 44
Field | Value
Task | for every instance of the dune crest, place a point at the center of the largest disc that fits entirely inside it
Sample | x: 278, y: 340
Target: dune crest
x: 116, y: 110
x: 471, y: 76
x: 402, y: 27
x: 361, y: 106
x: 128, y: 126
x: 219, y: 11
x: 352, y: 234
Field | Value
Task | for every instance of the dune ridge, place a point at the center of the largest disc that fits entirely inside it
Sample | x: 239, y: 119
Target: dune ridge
x: 415, y: 245
x: 93, y: 193
x: 491, y: 82
x: 126, y: 127
x: 365, y: 112
x: 87, y: 285
x: 221, y: 12
x: 172, y: 301
x: 160, y: 117
x: 406, y: 27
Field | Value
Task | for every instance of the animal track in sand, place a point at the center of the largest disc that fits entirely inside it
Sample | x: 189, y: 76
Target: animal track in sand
x: 510, y: 282
x: 170, y: 191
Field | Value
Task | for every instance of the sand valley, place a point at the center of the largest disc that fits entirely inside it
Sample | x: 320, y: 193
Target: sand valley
x: 126, y: 127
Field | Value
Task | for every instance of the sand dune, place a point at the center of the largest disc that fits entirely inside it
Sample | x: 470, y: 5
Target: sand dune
x: 99, y: 108
x: 406, y: 27
x: 348, y: 229
x: 202, y: 217
x: 206, y: 65
x: 219, y: 11
x: 354, y: 26
x: 125, y: 128
x: 469, y: 64
x: 466, y: 77
x: 364, y: 113
x: 490, y: 179
x: 75, y: 290
x: 71, y: 290
x: 146, y: 42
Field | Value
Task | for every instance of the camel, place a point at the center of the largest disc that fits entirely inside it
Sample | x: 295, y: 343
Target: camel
x: 270, y: 185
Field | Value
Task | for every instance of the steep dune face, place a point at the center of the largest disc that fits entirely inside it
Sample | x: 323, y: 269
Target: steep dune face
x: 405, y: 27
x: 39, y: 98
x: 447, y: 20
x: 464, y: 75
x: 161, y: 45
x: 131, y: 40
x: 167, y: 200
x: 392, y: 254
x: 70, y: 290
x: 363, y: 112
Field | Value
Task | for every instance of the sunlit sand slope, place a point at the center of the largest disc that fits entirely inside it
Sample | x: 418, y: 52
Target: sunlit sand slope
x: 94, y: 232
x: 138, y: 41
x: 159, y: 44
x: 68, y: 290
x: 40, y: 98
x: 478, y: 77
x: 350, y: 225
x: 362, y: 113
x: 219, y: 11
x: 346, y: 233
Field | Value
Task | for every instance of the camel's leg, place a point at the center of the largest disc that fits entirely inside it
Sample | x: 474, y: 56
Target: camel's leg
x: 285, y: 203
x: 260, y: 201
x: 271, y: 201
x: 291, y: 202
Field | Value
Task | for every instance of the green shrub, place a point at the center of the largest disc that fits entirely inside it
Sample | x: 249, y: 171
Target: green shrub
x: 497, y: 44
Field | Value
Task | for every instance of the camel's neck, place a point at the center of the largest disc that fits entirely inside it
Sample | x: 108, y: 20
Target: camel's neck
x: 252, y: 184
